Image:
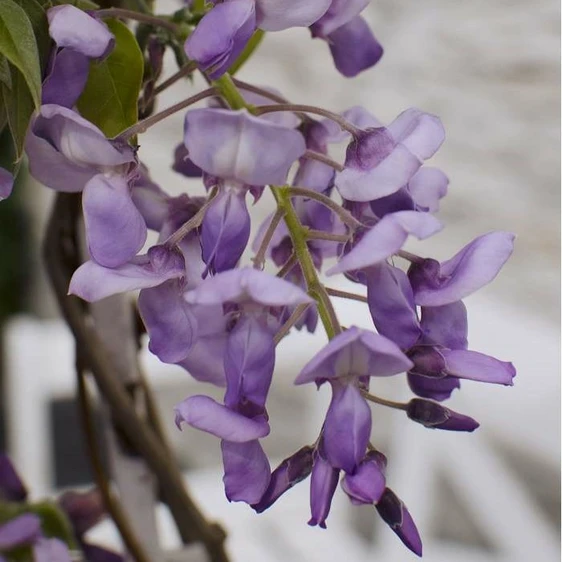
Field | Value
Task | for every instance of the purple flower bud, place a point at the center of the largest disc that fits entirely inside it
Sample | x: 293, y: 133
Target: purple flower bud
x: 221, y: 36
x: 290, y: 472
x: 433, y: 415
x: 471, y: 268
x: 367, y: 484
x: 11, y: 487
x: 323, y: 484
x: 84, y: 509
x: 398, y: 518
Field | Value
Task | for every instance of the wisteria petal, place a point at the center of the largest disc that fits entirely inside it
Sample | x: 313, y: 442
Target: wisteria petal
x: 221, y: 35
x: 367, y: 484
x: 248, y: 363
x: 6, y: 183
x: 446, y: 325
x: 427, y: 187
x: 12, y: 488
x: 93, y: 282
x: 473, y: 267
x: 391, y: 303
x: 247, y: 284
x: 183, y: 164
x: 74, y: 28
x: 396, y: 515
x: 66, y: 80
x: 246, y: 471
x: 22, y: 530
x: 207, y: 415
x: 273, y: 15
x: 94, y: 553
x: 151, y: 201
x: 171, y: 326
x: 354, y: 48
x: 50, y: 550
x: 205, y: 361
x: 430, y: 387
x: 347, y: 428
x: 386, y: 238
x: 339, y: 13
x: 238, y: 146
x: 225, y: 230
x: 355, y: 352
x: 84, y: 509
x: 421, y: 133
x: 115, y: 229
x: 478, y: 367
x: 400, y: 200
x: 323, y: 484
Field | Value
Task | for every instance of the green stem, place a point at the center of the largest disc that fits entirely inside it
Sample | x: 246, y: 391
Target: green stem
x: 229, y: 92
x: 248, y: 51
x: 137, y: 16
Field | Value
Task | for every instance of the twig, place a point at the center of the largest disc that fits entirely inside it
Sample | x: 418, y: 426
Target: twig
x: 259, y: 258
x: 184, y: 71
x: 384, y: 401
x: 346, y: 295
x: 312, y: 155
x: 290, y: 322
x: 137, y: 16
x: 288, y: 265
x: 321, y: 235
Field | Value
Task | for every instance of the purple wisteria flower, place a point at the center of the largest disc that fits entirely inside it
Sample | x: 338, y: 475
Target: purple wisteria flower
x: 80, y: 38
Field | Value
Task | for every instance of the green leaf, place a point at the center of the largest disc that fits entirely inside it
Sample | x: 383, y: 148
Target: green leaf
x: 18, y: 45
x: 5, y: 75
x: 110, y: 97
x: 82, y: 4
x: 19, y: 107
x: 38, y: 18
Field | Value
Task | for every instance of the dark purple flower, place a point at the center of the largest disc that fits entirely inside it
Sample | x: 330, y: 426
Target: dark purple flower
x: 323, y: 484
x: 289, y: 473
x: 474, y: 266
x: 433, y: 415
x: 386, y: 238
x: 221, y: 36
x: 236, y: 146
x: 396, y: 515
x: 367, y: 484
x: 11, y: 487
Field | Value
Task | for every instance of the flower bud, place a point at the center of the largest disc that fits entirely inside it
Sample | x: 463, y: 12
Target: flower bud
x: 434, y: 415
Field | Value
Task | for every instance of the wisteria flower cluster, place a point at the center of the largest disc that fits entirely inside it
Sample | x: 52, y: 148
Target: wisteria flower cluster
x: 221, y: 320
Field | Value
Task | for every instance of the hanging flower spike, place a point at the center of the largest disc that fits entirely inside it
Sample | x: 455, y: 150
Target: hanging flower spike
x: 80, y: 38
x: 382, y: 160
x: 473, y: 267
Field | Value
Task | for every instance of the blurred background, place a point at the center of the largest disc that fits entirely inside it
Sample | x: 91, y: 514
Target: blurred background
x: 491, y: 71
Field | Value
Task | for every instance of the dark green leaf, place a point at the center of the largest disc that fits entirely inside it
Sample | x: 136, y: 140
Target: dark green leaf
x: 110, y: 97
x: 38, y: 18
x: 82, y: 4
x: 5, y: 76
x: 19, y: 107
x: 18, y: 45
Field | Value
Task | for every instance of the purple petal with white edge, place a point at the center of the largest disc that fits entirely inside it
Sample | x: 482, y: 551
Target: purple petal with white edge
x: 367, y: 484
x: 347, y: 428
x: 476, y: 265
x: 225, y: 230
x: 238, y: 146
x: 290, y: 472
x: 276, y: 15
x: 323, y: 484
x: 446, y: 325
x: 247, y: 285
x: 11, y: 486
x: 339, y: 13
x: 396, y: 515
x: 435, y: 416
x: 427, y: 187
x: 205, y: 361
x: 354, y: 48
x: 391, y: 304
x: 478, y: 367
x: 355, y: 353
x: 171, y: 326
x: 429, y: 387
x: 375, y: 167
x: 21, y: 530
x: 74, y: 28
x: 50, y: 550
x: 65, y: 150
x: 249, y: 361
x: 421, y: 133
x: 246, y: 471
x: 93, y: 282
x: 386, y: 238
x: 221, y: 35
x: 207, y: 415
x: 115, y: 229
x: 66, y: 80
x: 6, y: 183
